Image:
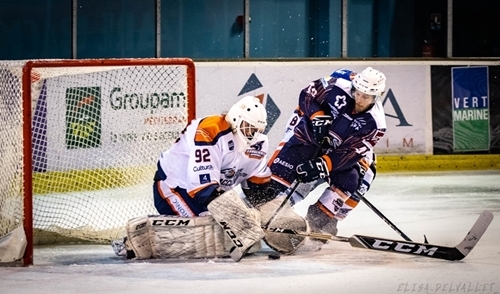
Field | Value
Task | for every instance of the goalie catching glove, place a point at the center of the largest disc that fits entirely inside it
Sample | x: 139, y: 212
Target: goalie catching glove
x: 313, y: 170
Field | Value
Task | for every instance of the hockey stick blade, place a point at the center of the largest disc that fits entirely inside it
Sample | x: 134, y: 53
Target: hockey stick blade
x: 428, y: 250
x: 421, y: 249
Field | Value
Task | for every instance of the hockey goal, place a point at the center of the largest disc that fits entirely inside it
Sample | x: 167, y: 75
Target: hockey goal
x: 79, y: 142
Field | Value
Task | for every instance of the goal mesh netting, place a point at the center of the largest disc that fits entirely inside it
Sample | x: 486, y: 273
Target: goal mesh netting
x: 97, y: 129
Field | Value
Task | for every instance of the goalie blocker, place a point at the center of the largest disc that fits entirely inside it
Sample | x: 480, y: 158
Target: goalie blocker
x: 232, y: 229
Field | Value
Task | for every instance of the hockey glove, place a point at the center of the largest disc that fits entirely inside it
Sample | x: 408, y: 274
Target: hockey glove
x: 321, y: 126
x: 312, y: 170
x: 257, y: 194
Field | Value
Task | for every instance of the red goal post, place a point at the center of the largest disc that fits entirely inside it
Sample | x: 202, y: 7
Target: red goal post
x: 96, y: 128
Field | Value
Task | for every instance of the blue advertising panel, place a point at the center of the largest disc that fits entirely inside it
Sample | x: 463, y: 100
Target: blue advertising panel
x: 470, y: 104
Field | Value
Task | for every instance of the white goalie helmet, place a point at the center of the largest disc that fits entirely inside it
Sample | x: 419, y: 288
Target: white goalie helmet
x: 370, y: 81
x: 248, y: 119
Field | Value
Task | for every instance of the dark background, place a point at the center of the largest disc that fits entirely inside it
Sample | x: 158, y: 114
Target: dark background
x: 201, y: 29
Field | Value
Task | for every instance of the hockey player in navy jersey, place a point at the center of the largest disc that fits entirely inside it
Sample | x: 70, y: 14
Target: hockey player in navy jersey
x: 330, y: 139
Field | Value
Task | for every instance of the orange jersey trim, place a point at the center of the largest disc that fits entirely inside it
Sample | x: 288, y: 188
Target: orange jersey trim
x: 328, y: 161
x: 280, y: 180
x: 325, y: 210
x: 259, y: 180
x: 347, y: 200
x: 321, y: 112
x: 192, y: 193
x: 275, y: 154
x: 210, y: 128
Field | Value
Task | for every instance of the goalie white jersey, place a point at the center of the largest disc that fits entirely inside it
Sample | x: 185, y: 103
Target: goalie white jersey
x: 206, y: 157
x: 206, y: 154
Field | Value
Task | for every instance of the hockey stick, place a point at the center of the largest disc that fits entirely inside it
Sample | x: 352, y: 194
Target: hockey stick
x: 382, y: 216
x: 458, y: 252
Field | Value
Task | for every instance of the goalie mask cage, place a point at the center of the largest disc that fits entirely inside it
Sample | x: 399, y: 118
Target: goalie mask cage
x: 79, y: 143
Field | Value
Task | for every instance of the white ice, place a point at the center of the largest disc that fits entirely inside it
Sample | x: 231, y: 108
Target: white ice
x: 443, y: 206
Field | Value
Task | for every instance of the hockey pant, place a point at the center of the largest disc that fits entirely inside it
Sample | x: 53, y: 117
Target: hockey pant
x: 176, y: 201
x: 283, y: 166
x: 172, y: 237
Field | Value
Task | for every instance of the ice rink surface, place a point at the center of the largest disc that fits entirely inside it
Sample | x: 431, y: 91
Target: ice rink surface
x: 443, y: 206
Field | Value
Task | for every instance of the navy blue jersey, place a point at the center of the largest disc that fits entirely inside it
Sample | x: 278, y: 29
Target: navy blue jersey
x: 352, y: 134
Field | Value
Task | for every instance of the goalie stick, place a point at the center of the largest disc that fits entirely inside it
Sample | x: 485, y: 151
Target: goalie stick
x: 458, y: 252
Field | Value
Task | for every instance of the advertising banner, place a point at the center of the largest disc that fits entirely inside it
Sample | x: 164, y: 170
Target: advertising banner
x: 108, y: 118
x: 470, y: 104
x: 406, y: 100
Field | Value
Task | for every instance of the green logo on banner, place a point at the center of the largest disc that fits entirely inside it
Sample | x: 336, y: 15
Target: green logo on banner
x: 83, y: 117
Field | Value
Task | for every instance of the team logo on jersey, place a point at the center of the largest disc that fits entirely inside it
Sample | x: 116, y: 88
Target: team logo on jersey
x: 255, y: 154
x: 205, y: 179
x: 258, y: 145
x: 337, y: 204
x: 335, y: 140
x: 230, y: 144
x: 229, y: 176
x: 358, y: 123
x: 334, y: 111
x: 255, y: 151
x: 228, y: 172
x: 340, y: 101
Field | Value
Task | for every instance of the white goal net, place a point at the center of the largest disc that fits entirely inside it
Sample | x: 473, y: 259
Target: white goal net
x: 91, y: 137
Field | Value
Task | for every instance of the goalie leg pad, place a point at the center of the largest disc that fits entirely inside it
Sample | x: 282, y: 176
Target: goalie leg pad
x: 238, y: 221
x: 196, y: 237
x: 286, y: 218
x: 138, y: 237
x: 168, y: 237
